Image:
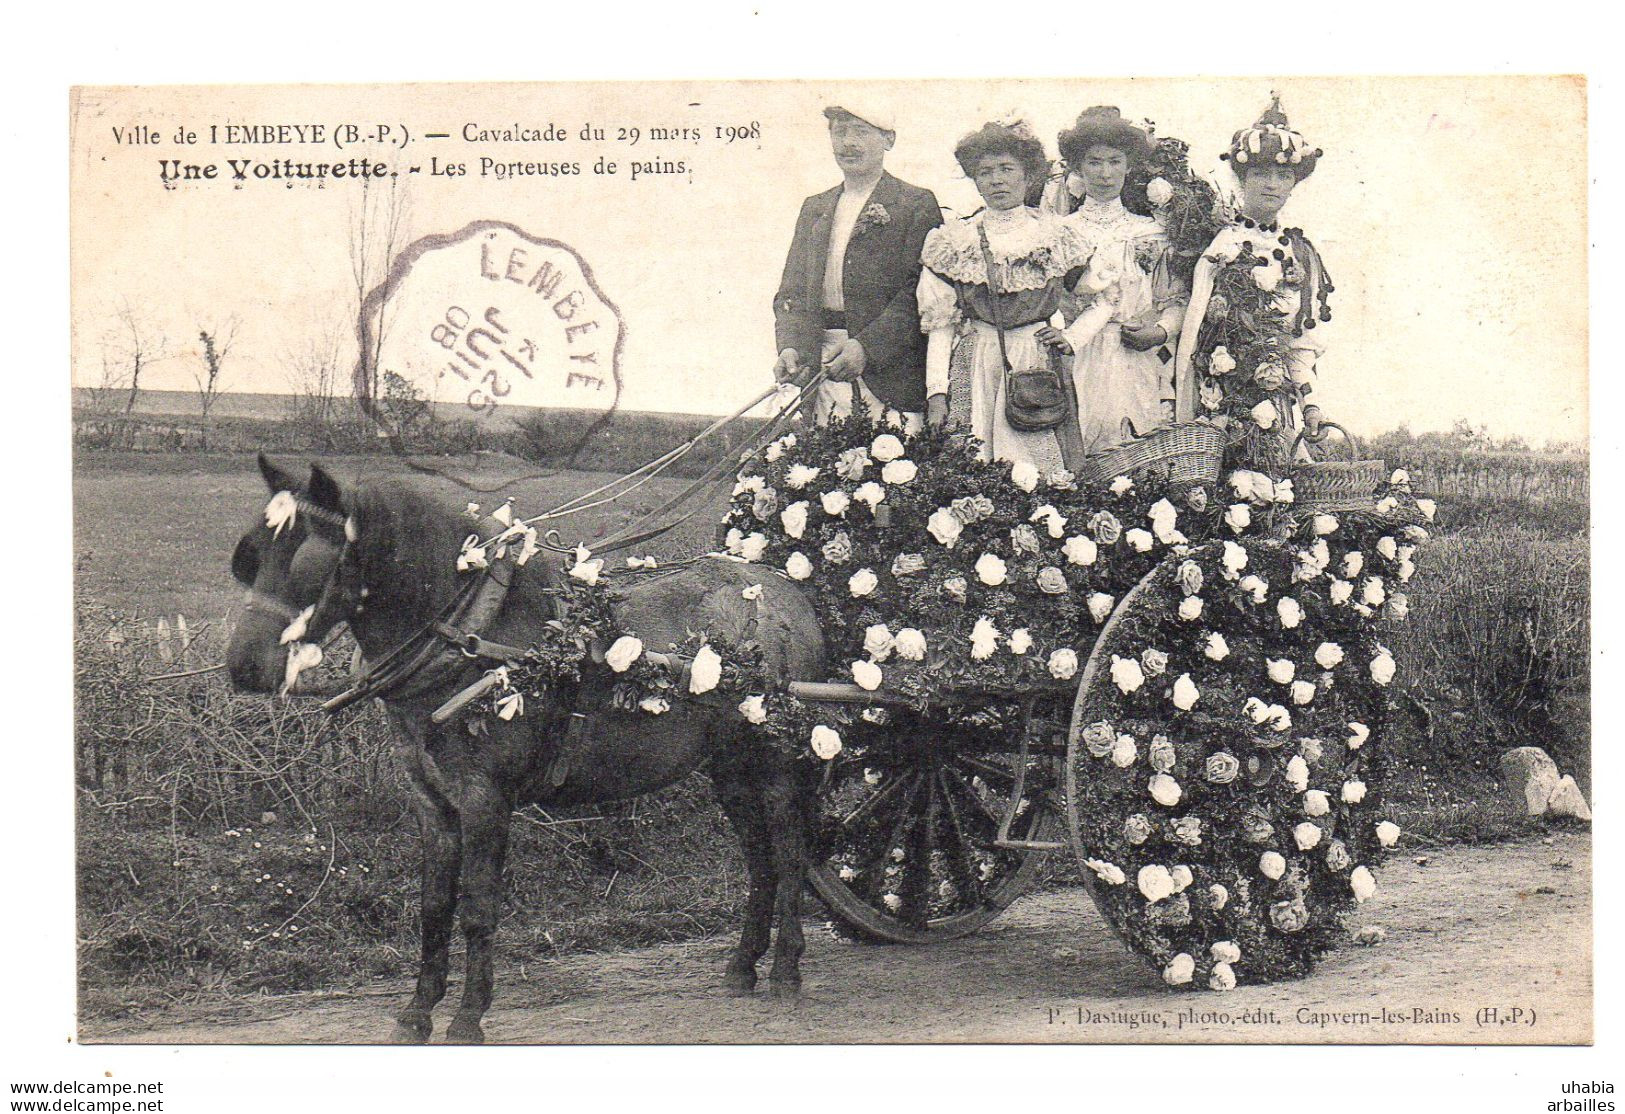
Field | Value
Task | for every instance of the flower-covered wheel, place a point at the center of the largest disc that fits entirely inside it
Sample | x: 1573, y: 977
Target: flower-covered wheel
x: 906, y: 836
x: 1224, y: 766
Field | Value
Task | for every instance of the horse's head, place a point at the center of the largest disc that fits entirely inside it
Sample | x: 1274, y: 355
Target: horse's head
x: 286, y: 560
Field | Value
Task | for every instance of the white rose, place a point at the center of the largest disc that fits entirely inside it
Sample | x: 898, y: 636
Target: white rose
x: 654, y: 705
x: 1399, y: 605
x: 1124, y: 752
x: 1281, y: 670
x: 1121, y: 485
x: 1238, y: 517
x: 752, y: 484
x: 1109, y: 873
x: 1024, y: 475
x: 800, y: 475
x: 1265, y: 414
x: 797, y: 567
x: 1186, y: 694
x: 752, y: 548
x: 878, y: 641
x: 835, y: 503
x: 1100, y: 606
x: 869, y: 493
x: 1400, y: 477
x: 1180, y: 970
x: 886, y: 448
x: 1358, y: 734
x: 1284, y: 493
x: 1316, y: 803
x: 1190, y: 608
x: 1222, y: 977
x: 1063, y: 664
x: 826, y: 742
x: 1159, y: 192
x: 1353, y: 792
x: 1080, y: 550
x: 1215, y: 647
x: 1328, y: 655
x: 1280, y: 718
x: 1257, y: 586
x: 1428, y: 508
x: 705, y: 671
x: 1406, y: 570
x: 1182, y: 877
x: 1272, y: 865
x: 1297, y: 773
x: 1140, y: 539
x: 862, y: 582
x: 1341, y: 591
x: 990, y: 569
x: 1234, y: 559
x: 1225, y: 951
x: 1155, y: 883
x: 1054, y: 521
x: 984, y: 639
x: 1388, y: 547
x: 1302, y: 692
x: 899, y: 471
x: 1372, y: 592
x: 1306, y: 835
x: 588, y: 571
x: 1021, y: 640
x: 1290, y: 612
x: 1325, y: 524
x: 1362, y: 883
x: 1221, y: 362
x: 1382, y: 668
x: 1219, y: 896
x: 944, y: 526
x: 910, y: 644
x: 1162, y: 511
x: 623, y: 653
x: 1257, y: 710
x: 1164, y: 790
x: 1353, y: 562
x: 1388, y: 833
x: 867, y: 674
x: 754, y: 709
x: 1126, y: 674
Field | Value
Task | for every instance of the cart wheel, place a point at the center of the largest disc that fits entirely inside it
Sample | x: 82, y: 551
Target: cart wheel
x: 908, y: 838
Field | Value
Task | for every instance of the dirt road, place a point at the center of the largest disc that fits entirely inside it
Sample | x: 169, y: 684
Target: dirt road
x: 1506, y: 927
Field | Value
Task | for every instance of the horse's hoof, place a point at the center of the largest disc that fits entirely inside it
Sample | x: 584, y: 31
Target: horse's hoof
x: 784, y: 990
x: 464, y: 1032
x: 739, y: 984
x: 412, y: 1029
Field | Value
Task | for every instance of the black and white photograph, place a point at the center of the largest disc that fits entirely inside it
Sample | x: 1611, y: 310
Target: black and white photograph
x: 708, y: 565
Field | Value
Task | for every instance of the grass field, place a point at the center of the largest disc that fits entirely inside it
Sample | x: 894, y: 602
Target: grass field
x: 198, y: 856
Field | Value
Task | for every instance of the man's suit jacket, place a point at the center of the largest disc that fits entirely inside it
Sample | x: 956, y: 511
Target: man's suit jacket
x: 879, y: 274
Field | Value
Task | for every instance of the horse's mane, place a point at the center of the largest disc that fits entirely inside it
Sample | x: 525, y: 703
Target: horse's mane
x: 409, y: 535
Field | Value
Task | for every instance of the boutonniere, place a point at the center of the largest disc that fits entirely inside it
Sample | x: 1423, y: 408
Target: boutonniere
x: 874, y: 215
x: 1146, y: 254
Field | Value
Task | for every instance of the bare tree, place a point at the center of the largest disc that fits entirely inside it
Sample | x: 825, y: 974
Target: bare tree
x: 379, y: 222
x: 133, y: 345
x: 103, y: 395
x: 316, y: 380
x: 217, y: 343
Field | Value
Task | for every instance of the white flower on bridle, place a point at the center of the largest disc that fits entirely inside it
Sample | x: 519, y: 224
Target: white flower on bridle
x: 281, y: 511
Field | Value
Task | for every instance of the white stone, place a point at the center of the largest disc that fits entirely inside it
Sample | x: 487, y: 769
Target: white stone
x: 1531, y: 778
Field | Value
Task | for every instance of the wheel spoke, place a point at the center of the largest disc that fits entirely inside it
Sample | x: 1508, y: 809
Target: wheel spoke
x: 873, y: 802
x: 988, y: 769
x: 877, y: 868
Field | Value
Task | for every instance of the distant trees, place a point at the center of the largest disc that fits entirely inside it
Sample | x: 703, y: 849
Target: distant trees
x: 216, y: 342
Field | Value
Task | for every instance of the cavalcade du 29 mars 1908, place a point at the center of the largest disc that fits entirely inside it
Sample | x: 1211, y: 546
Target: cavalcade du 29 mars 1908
x: 1128, y: 548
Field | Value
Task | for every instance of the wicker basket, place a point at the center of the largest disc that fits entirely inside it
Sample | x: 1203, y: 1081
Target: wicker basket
x: 1336, y: 485
x: 1192, y: 452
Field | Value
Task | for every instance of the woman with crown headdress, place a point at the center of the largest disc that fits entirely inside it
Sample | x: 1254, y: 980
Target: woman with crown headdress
x: 1257, y: 368
x: 1123, y: 375
x: 1006, y: 269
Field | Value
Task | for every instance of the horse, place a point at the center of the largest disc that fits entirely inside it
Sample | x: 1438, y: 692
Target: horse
x: 382, y: 556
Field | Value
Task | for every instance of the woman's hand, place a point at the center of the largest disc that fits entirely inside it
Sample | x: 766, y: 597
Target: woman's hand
x: 1143, y: 338
x: 936, y: 411
x: 1313, y: 419
x: 1052, y: 337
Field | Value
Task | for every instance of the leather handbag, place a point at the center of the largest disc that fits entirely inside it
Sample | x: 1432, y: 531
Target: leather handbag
x: 1034, y: 398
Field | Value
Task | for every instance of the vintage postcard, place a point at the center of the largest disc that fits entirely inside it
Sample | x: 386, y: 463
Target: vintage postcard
x: 565, y: 563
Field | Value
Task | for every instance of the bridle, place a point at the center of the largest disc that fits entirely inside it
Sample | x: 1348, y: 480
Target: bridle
x: 267, y: 604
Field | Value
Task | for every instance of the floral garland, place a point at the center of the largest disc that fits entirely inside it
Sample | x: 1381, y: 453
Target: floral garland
x: 1188, y: 208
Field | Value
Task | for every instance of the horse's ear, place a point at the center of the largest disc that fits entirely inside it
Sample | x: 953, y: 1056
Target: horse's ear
x: 324, y: 490
x: 275, y: 478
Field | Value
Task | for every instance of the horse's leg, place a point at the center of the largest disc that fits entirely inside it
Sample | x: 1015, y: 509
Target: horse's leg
x: 743, y: 804
x: 789, y: 807
x: 437, y: 891
x: 486, y: 818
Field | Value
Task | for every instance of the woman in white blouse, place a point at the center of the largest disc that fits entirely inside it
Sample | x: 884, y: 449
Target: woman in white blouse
x: 1035, y: 258
x: 1124, y: 374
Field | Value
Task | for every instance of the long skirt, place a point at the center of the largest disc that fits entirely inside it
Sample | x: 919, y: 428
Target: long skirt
x: 976, y: 394
x: 1117, y: 385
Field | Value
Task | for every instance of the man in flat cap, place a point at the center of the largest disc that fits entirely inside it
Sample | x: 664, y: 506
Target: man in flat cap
x: 847, y: 297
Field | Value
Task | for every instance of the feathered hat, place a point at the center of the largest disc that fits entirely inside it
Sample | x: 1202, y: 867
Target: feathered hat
x: 1104, y: 126
x: 1272, y: 140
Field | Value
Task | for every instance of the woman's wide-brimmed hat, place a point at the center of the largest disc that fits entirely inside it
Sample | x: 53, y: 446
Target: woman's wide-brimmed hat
x: 1272, y: 141
x: 1103, y: 126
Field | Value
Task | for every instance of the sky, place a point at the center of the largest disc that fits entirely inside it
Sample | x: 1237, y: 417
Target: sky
x: 1450, y: 212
